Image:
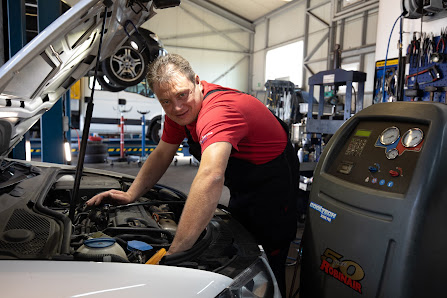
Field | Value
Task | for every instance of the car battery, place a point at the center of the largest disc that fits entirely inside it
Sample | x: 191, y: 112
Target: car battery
x: 376, y: 224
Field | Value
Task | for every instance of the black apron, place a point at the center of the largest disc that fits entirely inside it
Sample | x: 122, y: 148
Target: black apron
x: 263, y: 197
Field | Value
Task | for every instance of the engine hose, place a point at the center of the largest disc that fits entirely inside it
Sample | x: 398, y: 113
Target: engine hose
x: 121, y: 242
x: 99, y: 257
x: 113, y: 231
x: 191, y: 253
x: 144, y: 238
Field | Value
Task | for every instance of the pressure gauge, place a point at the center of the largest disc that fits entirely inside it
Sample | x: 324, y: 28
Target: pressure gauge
x: 392, y: 154
x: 412, y: 137
x: 389, y: 135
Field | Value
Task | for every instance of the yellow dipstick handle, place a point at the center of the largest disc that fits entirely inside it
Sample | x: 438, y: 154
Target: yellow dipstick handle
x: 157, y: 257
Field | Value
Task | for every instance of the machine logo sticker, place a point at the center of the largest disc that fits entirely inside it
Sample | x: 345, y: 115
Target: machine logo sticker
x: 345, y: 271
x: 324, y: 213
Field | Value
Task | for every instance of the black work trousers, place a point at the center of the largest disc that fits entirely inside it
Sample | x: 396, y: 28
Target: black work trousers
x: 264, y: 199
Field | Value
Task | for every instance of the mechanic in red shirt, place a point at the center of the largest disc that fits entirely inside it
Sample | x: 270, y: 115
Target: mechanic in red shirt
x: 239, y: 143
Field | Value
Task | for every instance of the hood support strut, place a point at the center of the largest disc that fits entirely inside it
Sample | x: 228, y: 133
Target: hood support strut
x: 86, y: 130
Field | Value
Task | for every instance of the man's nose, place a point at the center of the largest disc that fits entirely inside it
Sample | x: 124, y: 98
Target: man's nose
x: 178, y: 105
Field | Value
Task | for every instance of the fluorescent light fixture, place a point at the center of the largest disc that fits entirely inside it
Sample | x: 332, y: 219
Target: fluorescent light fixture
x: 67, y: 152
x: 28, y: 150
x: 9, y: 114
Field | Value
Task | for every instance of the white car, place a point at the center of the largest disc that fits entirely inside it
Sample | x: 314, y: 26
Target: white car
x: 51, y: 244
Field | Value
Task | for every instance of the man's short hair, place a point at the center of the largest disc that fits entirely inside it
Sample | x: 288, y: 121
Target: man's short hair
x: 164, y: 67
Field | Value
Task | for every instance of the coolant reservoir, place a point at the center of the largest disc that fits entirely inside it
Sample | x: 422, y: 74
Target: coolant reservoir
x: 98, y: 246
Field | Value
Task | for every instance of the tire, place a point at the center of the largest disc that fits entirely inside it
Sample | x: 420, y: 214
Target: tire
x: 95, y: 158
x: 96, y: 148
x: 109, y: 86
x: 126, y: 67
x: 155, y: 132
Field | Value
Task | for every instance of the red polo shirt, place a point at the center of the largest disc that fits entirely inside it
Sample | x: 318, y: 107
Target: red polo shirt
x: 234, y: 117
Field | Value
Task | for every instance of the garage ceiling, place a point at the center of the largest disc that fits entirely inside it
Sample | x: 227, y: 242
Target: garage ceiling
x: 245, y: 13
x: 250, y: 10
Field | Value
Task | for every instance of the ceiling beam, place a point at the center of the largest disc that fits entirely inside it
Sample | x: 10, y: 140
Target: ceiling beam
x: 197, y: 18
x: 204, y: 49
x: 276, y: 11
x: 219, y: 11
x: 200, y: 34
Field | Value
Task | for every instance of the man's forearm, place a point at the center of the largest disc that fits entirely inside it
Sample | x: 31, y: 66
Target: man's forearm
x: 199, y: 209
x: 203, y: 197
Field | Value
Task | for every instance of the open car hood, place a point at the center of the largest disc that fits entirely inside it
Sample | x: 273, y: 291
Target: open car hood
x: 34, y: 79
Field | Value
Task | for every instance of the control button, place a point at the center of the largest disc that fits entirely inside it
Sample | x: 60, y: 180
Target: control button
x: 390, y: 184
x: 394, y: 173
x: 382, y: 182
x: 374, y: 180
x: 373, y: 169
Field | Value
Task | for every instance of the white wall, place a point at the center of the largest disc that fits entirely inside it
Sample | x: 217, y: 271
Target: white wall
x: 210, y: 54
x: 289, y: 25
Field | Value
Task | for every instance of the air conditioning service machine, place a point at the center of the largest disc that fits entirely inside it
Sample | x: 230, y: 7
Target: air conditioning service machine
x: 377, y: 217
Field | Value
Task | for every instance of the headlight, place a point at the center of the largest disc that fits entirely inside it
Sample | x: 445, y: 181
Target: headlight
x: 255, y: 281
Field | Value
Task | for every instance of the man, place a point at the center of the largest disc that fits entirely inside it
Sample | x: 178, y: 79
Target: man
x: 240, y: 143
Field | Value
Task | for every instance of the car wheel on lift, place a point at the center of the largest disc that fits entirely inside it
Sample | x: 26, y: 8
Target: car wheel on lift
x: 126, y: 67
x: 109, y: 86
x: 155, y: 132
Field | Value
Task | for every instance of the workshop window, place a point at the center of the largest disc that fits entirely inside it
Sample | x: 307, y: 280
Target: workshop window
x: 285, y: 63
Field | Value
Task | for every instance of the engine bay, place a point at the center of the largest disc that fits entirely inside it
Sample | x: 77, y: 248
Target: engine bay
x: 34, y: 224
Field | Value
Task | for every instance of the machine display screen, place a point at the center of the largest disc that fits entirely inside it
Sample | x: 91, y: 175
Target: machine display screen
x: 362, y: 133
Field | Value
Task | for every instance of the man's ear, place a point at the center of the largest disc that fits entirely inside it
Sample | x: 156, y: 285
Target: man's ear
x: 197, y: 80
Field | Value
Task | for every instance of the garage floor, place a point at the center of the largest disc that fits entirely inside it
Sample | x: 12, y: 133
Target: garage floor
x: 180, y: 175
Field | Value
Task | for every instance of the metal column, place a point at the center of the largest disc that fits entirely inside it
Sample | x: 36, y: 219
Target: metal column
x: 51, y: 123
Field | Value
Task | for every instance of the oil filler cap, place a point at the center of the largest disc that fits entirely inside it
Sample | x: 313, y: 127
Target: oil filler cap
x: 99, y: 242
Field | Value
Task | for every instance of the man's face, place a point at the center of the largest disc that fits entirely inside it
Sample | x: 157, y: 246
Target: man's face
x: 180, y: 98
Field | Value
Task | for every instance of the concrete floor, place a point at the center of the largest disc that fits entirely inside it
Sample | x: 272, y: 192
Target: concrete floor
x: 180, y: 175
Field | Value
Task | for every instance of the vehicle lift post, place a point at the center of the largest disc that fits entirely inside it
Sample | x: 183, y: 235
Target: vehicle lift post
x: 143, y: 136
x: 121, y: 108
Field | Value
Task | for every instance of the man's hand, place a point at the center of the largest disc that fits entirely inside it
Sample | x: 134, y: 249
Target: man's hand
x: 112, y: 196
x: 153, y: 168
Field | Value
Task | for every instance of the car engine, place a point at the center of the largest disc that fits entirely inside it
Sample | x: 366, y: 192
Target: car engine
x: 34, y: 224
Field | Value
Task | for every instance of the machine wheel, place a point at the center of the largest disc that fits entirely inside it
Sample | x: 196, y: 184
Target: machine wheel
x: 126, y: 67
